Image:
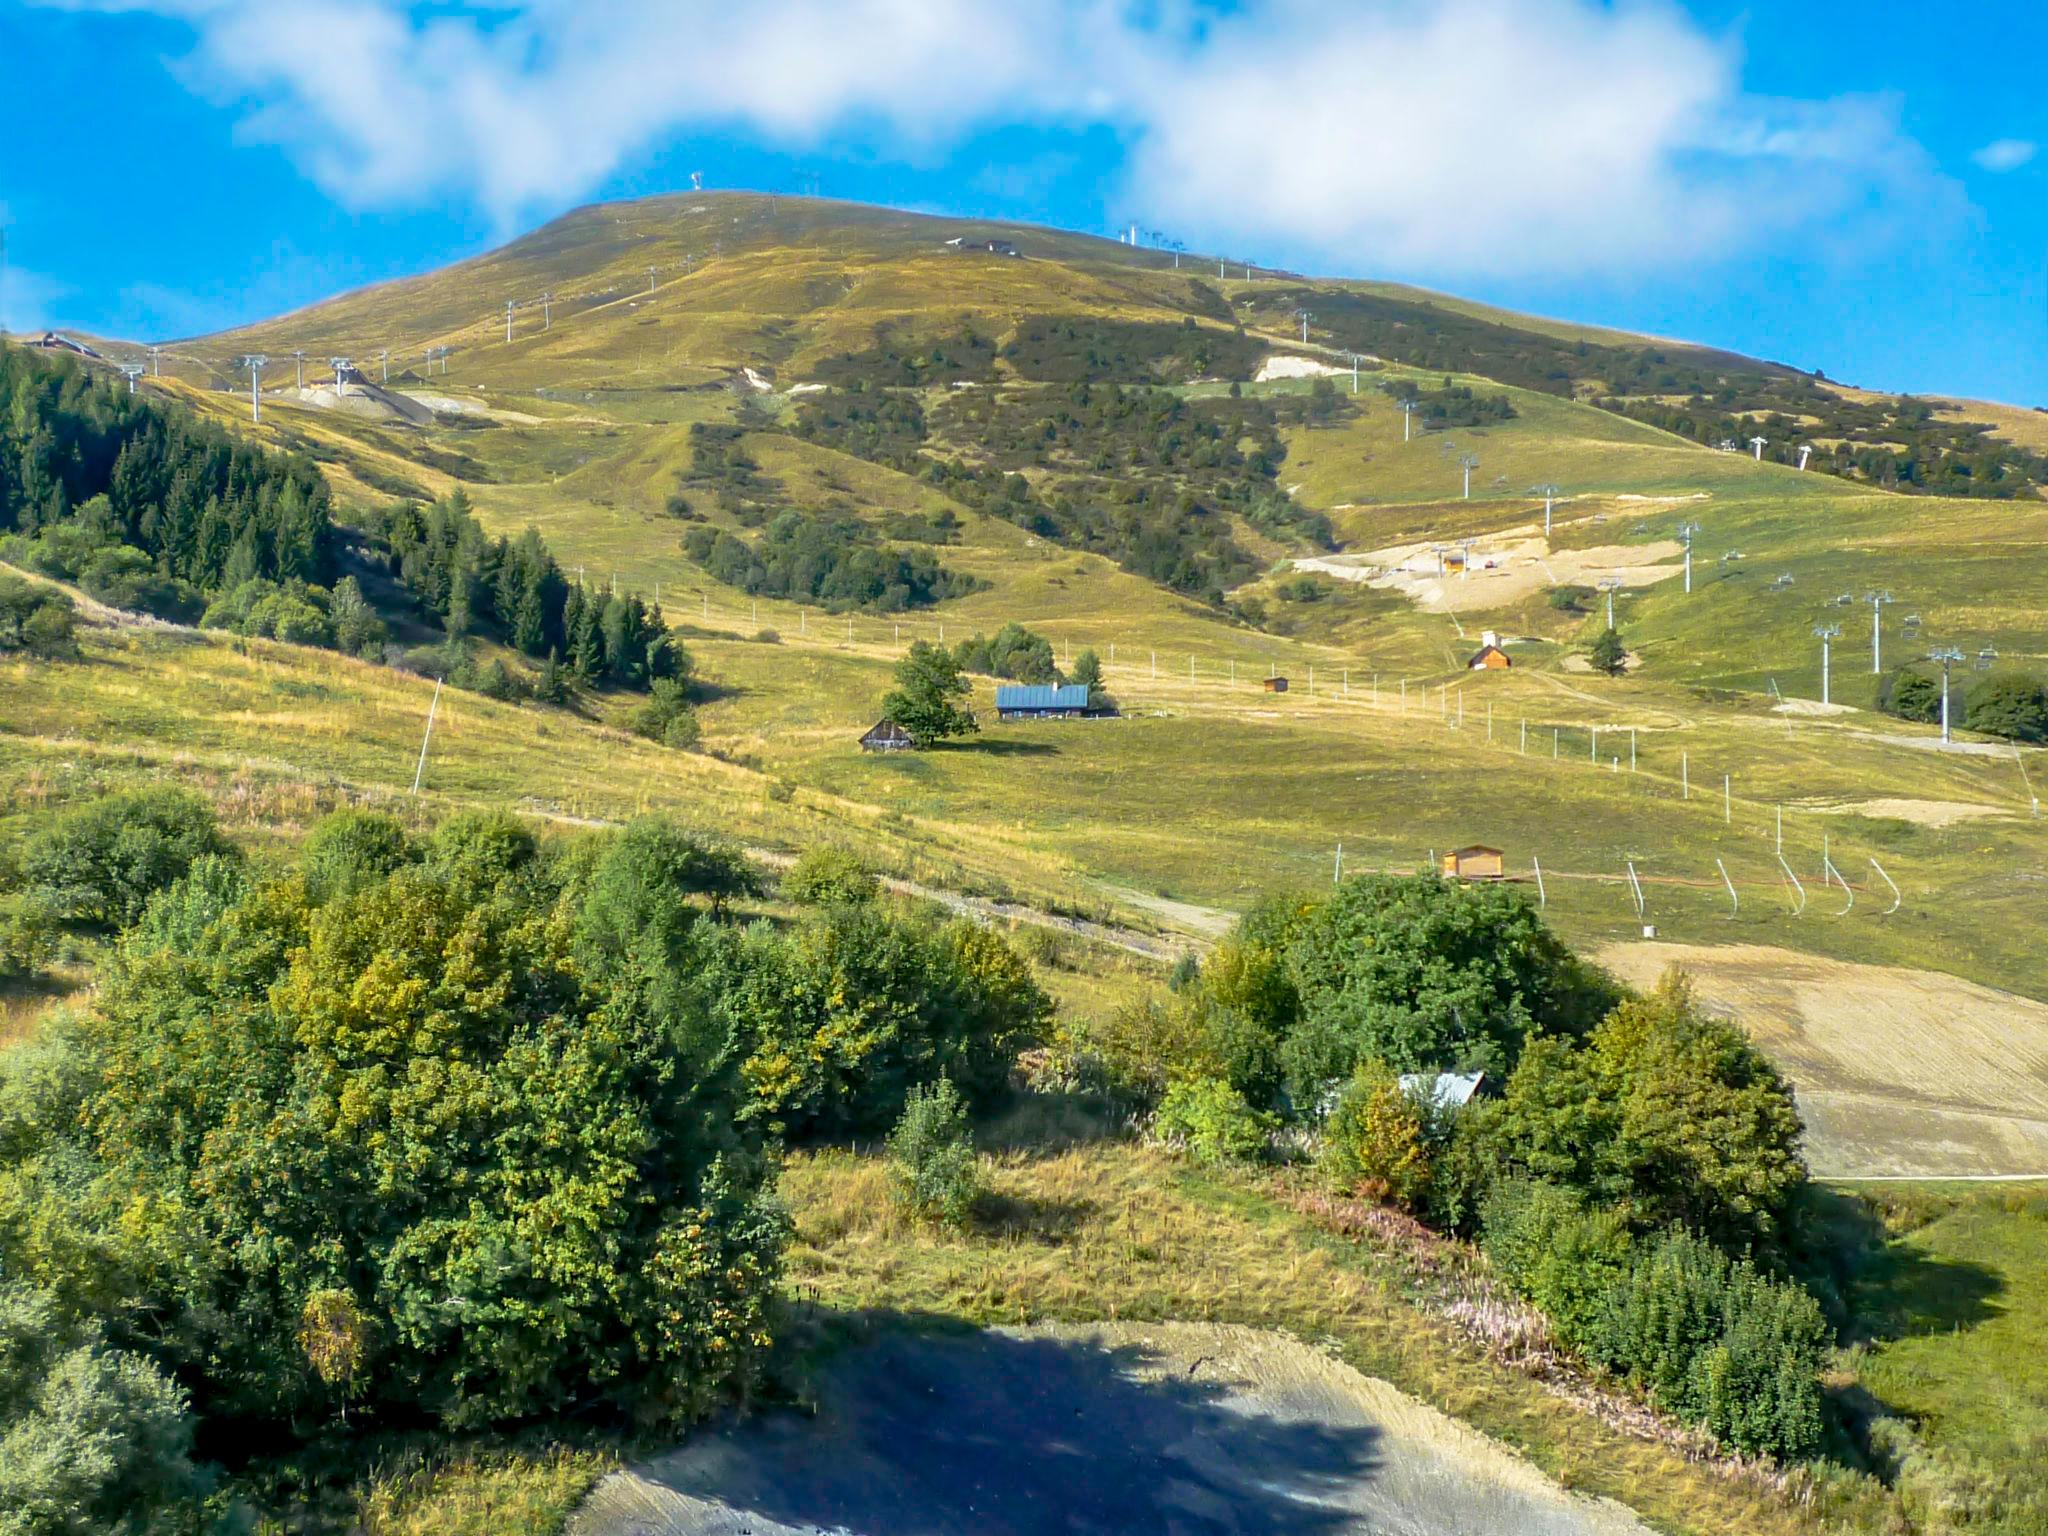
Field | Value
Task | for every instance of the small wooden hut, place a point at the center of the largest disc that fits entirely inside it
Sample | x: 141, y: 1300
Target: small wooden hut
x: 1478, y: 862
x: 887, y: 736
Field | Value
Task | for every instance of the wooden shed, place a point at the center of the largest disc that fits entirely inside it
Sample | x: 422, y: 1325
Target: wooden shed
x: 1477, y: 862
x: 1489, y: 658
x: 887, y: 736
x: 1276, y: 685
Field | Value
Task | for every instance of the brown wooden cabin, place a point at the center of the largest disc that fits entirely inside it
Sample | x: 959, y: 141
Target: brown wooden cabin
x: 1276, y: 685
x: 1477, y: 862
x: 1489, y: 657
x: 887, y: 736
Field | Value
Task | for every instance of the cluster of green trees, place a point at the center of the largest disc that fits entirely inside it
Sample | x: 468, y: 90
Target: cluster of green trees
x: 38, y: 621
x: 1141, y: 475
x: 1452, y: 405
x: 830, y: 558
x: 457, y: 1129
x: 1898, y: 442
x: 2009, y: 704
x: 1013, y: 652
x: 1635, y: 1173
x: 512, y: 589
x: 901, y: 359
x: 1070, y: 349
x: 721, y: 467
x: 144, y: 497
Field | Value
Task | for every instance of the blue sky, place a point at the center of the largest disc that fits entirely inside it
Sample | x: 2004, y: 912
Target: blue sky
x: 1850, y: 187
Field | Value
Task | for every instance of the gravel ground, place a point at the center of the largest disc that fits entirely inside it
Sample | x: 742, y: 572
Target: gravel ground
x: 1184, y: 1429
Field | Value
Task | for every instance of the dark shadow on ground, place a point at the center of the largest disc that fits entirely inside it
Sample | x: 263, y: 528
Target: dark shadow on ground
x: 926, y: 1429
x: 997, y: 747
x: 1878, y: 1283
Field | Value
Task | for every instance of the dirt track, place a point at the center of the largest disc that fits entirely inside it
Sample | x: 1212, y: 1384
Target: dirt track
x: 1899, y: 1072
x: 1181, y: 1428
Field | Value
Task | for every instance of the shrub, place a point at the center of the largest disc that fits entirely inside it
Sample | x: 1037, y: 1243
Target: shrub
x: 827, y: 875
x: 1911, y: 695
x: 102, y: 861
x: 92, y: 1439
x: 490, y: 1129
x: 2011, y: 705
x: 36, y: 619
x: 1376, y: 1142
x: 349, y: 850
x: 1570, y: 598
x: 666, y: 716
x: 932, y: 1168
x: 1211, y: 1122
x: 1548, y: 1246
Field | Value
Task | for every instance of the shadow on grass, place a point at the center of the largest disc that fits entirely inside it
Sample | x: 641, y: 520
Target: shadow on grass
x: 923, y: 1424
x: 1029, y: 1218
x: 992, y: 746
x: 1882, y: 1286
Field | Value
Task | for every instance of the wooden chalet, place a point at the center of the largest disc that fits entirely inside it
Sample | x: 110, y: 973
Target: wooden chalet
x: 887, y: 736
x: 1478, y: 862
x: 1276, y: 685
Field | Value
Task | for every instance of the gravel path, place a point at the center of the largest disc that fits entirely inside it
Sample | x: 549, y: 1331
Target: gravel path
x: 1181, y: 1429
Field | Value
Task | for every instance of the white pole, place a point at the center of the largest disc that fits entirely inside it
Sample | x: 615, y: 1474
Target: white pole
x: 1734, y: 901
x: 421, y: 768
x: 1542, y: 897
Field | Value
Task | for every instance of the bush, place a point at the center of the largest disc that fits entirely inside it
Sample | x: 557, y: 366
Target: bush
x: 102, y: 861
x: 1570, y: 598
x: 1708, y: 1337
x: 1211, y: 1122
x: 36, y: 619
x: 350, y: 850
x: 2011, y: 705
x: 486, y: 1120
x: 1377, y: 1140
x: 827, y: 875
x: 1911, y: 695
x: 666, y: 716
x: 92, y: 1439
x: 932, y: 1168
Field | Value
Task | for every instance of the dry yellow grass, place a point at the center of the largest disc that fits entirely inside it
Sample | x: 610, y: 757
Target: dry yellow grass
x: 1109, y: 1231
x: 1898, y: 1071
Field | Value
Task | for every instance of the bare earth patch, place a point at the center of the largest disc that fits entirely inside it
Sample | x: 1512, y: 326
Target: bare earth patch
x: 1810, y: 707
x: 1899, y: 1072
x: 1184, y: 1428
x: 1508, y: 568
x: 1922, y: 813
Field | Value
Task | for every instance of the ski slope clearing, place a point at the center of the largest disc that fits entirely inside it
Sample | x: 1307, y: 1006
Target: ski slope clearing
x: 1899, y: 1072
x: 1117, y: 1428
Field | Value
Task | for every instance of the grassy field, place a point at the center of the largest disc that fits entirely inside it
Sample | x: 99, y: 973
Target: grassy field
x: 1098, y: 1229
x: 1958, y: 1312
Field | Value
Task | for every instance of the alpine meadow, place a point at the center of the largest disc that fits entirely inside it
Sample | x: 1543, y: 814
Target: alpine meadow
x: 761, y: 863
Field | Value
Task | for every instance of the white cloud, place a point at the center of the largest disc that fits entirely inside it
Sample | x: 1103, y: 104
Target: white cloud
x: 1467, y: 136
x: 2005, y: 154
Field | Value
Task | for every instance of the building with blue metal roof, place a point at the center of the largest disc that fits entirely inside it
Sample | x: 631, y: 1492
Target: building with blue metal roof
x: 1040, y: 701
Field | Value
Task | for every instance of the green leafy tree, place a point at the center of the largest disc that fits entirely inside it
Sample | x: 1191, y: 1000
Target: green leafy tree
x: 350, y: 850
x: 925, y: 701
x: 933, y: 1172
x: 667, y: 716
x: 827, y: 874
x: 100, y: 862
x: 1608, y: 654
x: 1428, y: 975
x: 37, y: 620
x: 469, y: 1138
x: 1672, y: 1116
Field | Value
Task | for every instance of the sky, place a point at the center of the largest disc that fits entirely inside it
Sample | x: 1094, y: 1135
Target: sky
x: 1851, y: 187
